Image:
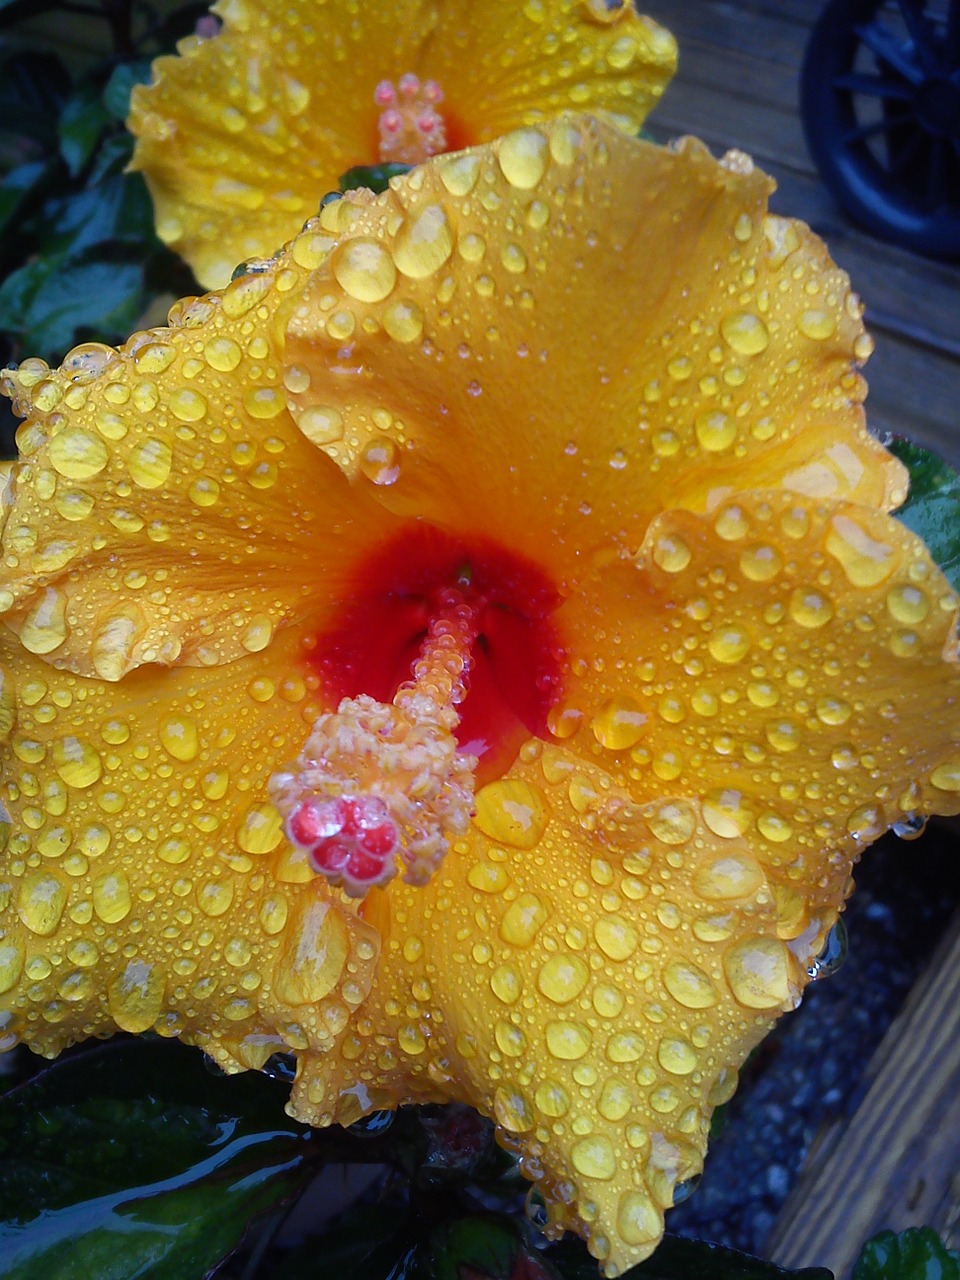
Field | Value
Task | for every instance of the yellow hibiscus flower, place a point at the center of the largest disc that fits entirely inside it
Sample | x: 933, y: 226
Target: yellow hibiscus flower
x: 241, y: 135
x: 470, y: 653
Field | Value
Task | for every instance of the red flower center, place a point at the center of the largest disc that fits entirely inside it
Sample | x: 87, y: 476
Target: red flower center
x: 515, y: 661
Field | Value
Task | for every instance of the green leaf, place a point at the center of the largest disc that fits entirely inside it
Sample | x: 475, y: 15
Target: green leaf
x: 18, y: 185
x: 932, y: 509
x: 374, y: 176
x: 52, y: 302
x: 915, y: 1254
x: 116, y: 95
x: 82, y: 121
x: 132, y: 1161
x: 487, y: 1247
x: 116, y: 211
x: 677, y: 1258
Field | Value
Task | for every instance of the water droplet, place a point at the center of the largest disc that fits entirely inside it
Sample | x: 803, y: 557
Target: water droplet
x: 523, y: 920
x: 45, y: 626
x: 616, y: 937
x: 760, y: 563
x: 639, y: 1221
x: 912, y: 826
x: 364, y: 269
x: 817, y: 324
x: 459, y: 173
x: 563, y: 977
x: 745, y: 333
x: 676, y: 1056
x: 673, y: 823
x: 179, y: 737
x: 373, y: 1125
x: 907, y: 604
x: 511, y: 812
x: 135, y: 997
x: 321, y: 424
x: 619, y: 724
x: 11, y: 966
x: 831, y: 958
x: 111, y: 897
x: 729, y: 644
x: 403, y: 321
x: 506, y: 985
x: 523, y: 157
x: 716, y: 431
x: 758, y: 972
x: 380, y: 462
x: 594, y: 1157
x: 77, y: 762
x: 316, y: 954
x: 567, y: 1041
x: 810, y: 608
x: 215, y: 897
x: 512, y: 1110
x: 424, y: 243
x: 187, y: 405
x: 865, y: 561
x: 689, y: 985
x: 671, y: 553
x: 731, y: 524
x: 684, y: 1190
x: 78, y: 454
x: 282, y: 1067
x: 149, y: 464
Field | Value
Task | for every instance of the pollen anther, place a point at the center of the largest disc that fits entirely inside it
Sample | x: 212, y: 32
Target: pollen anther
x: 410, y: 127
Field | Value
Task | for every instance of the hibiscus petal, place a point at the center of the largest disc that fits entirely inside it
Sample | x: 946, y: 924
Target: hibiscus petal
x: 793, y: 665
x: 594, y: 998
x: 148, y: 883
x: 241, y: 135
x: 628, y: 317
x: 163, y: 498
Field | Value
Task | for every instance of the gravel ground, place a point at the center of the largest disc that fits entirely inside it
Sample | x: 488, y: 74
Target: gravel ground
x: 808, y: 1072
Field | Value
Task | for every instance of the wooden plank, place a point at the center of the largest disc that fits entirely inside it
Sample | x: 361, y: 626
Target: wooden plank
x: 896, y: 1160
x: 736, y: 27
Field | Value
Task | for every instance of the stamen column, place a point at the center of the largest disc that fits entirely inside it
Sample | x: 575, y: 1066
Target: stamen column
x: 379, y: 786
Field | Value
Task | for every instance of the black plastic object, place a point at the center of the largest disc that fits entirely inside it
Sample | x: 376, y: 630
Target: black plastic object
x: 880, y: 99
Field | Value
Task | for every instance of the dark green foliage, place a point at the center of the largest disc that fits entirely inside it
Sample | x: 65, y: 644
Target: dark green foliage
x: 932, y: 509
x: 915, y: 1254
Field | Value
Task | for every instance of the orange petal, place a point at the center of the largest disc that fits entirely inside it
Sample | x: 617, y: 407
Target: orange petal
x: 148, y: 884
x: 241, y: 135
x: 594, y: 997
x: 581, y: 303
x: 793, y: 665
x: 164, y: 497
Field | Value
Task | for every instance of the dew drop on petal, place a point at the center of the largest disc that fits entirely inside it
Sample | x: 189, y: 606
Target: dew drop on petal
x: 423, y: 244
x: 745, y: 333
x: 523, y: 157
x: 758, y: 972
x: 364, y: 269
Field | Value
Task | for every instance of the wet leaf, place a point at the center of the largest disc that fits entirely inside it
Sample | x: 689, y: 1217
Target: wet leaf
x: 18, y: 186
x: 376, y: 177
x: 82, y: 121
x: 932, y: 509
x: 52, y: 300
x: 118, y: 210
x: 486, y: 1247
x: 915, y: 1254
x: 116, y: 94
x: 133, y: 1161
